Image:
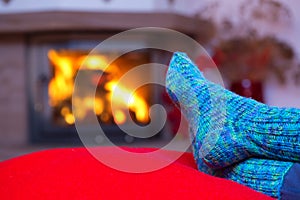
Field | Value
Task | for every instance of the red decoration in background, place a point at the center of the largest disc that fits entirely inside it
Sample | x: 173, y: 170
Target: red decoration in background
x: 218, y: 57
x: 205, y: 61
x: 245, y: 63
x: 248, y: 88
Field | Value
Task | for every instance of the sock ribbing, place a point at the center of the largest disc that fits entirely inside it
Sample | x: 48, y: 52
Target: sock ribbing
x: 262, y: 175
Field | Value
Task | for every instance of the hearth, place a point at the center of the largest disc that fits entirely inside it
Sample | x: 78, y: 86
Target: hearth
x: 54, y: 62
x: 35, y: 102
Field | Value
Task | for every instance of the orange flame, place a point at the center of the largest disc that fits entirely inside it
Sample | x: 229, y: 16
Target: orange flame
x: 61, y: 87
x: 123, y: 96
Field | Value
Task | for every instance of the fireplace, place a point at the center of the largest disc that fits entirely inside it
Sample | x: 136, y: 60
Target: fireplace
x: 34, y: 47
x: 54, y: 62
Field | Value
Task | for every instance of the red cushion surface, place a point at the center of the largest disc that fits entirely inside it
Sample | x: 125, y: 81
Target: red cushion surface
x: 73, y: 173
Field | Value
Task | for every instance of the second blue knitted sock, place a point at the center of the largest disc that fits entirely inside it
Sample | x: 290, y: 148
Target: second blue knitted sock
x: 263, y: 175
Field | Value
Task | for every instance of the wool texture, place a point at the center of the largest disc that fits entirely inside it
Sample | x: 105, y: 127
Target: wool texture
x: 227, y: 128
x: 234, y: 137
x: 263, y: 175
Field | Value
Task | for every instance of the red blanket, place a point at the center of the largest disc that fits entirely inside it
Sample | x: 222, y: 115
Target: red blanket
x: 73, y: 173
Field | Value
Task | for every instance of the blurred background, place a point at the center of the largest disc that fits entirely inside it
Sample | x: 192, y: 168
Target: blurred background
x: 43, y: 43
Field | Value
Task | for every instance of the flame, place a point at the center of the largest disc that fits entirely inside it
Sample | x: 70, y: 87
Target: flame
x: 120, y: 95
x: 140, y: 107
x: 119, y: 117
x: 61, y: 87
x: 93, y: 62
x: 68, y: 116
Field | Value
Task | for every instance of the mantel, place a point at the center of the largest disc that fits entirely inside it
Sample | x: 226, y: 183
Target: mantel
x: 93, y: 21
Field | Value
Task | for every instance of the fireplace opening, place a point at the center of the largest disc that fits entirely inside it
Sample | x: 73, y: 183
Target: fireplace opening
x: 54, y: 63
x: 65, y: 65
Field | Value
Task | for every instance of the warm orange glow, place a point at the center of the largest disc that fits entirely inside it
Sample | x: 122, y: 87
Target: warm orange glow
x: 64, y: 111
x: 98, y: 106
x: 93, y: 62
x: 140, y: 107
x: 119, y: 117
x: 122, y: 96
x: 69, y: 118
x: 61, y: 88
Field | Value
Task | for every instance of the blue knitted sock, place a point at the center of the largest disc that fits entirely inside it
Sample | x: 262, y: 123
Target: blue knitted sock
x: 227, y: 128
x: 262, y: 175
x: 266, y: 176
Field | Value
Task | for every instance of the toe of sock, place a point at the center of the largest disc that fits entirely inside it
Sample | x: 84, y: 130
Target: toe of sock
x: 180, y: 63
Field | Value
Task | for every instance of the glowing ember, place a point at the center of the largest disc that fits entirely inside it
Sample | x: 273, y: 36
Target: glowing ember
x: 65, y: 67
x: 119, y: 117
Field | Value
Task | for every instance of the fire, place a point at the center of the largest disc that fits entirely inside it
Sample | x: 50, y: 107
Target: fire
x: 125, y: 97
x: 61, y: 86
x: 93, y: 62
x: 119, y: 117
x: 65, y: 67
x: 68, y: 116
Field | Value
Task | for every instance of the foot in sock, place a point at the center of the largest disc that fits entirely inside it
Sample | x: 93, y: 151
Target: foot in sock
x: 266, y: 176
x: 227, y: 128
x: 263, y: 175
